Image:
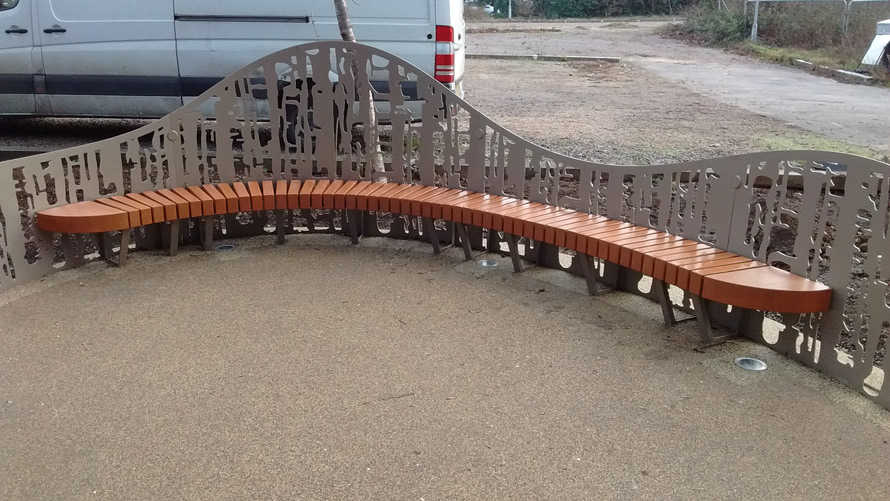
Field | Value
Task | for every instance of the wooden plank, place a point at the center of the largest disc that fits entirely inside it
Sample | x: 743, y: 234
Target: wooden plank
x: 256, y: 195
x: 340, y: 194
x: 327, y: 198
x: 170, y: 212
x: 233, y: 204
x: 132, y: 213
x: 660, y: 261
x: 696, y: 278
x: 182, y: 206
x: 638, y: 253
x: 361, y: 201
x: 433, y: 208
x: 145, y: 212
x: 244, y: 200
x: 416, y: 205
x: 196, y: 209
x: 281, y: 194
x: 293, y: 194
x: 684, y: 272
x: 83, y: 217
x: 157, y: 210
x: 306, y: 194
x: 384, y: 198
x: 317, y: 196
x: 351, y: 197
x: 207, y: 206
x: 767, y: 288
x: 268, y: 190
x: 400, y: 202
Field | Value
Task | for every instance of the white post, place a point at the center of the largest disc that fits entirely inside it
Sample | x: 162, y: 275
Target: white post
x: 754, y: 26
x: 509, y: 9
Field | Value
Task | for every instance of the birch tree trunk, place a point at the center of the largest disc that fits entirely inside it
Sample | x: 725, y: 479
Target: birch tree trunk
x: 372, y: 146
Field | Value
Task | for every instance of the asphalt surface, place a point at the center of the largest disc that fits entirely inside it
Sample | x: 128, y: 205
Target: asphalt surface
x: 321, y: 370
x: 857, y: 114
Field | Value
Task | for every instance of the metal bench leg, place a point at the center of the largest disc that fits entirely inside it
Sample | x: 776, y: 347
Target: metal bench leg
x: 430, y: 228
x: 207, y: 233
x: 591, y: 275
x: 174, y: 237
x: 353, y: 219
x: 104, y: 248
x: 280, y: 225
x: 703, y: 319
x: 664, y: 299
x: 514, y: 252
x: 464, y: 240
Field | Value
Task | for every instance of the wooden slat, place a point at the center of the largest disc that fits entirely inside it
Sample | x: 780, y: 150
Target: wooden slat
x: 245, y: 203
x: 696, y: 278
x: 317, y: 197
x: 576, y: 239
x: 528, y: 224
x: 433, y: 208
x: 195, y: 207
x: 340, y: 194
x: 170, y: 212
x: 684, y: 272
x: 182, y: 206
x: 566, y: 235
x: 361, y: 199
x: 453, y: 211
x: 132, y: 213
x: 293, y: 194
x: 268, y: 189
x: 281, y: 194
x: 145, y: 212
x: 635, y: 252
x: 610, y: 247
x: 158, y: 213
x: 256, y: 195
x: 233, y: 204
x: 327, y: 198
x: 351, y: 197
x: 767, y: 288
x: 83, y: 217
x: 207, y: 206
x: 384, y: 198
x: 514, y: 221
x: 400, y: 202
x: 474, y: 209
x: 538, y: 229
x: 416, y: 205
x: 660, y: 261
x: 306, y: 194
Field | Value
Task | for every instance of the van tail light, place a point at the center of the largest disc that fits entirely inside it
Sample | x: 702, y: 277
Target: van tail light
x: 444, y: 54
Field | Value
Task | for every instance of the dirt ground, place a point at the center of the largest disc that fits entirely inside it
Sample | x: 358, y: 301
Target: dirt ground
x: 666, y: 101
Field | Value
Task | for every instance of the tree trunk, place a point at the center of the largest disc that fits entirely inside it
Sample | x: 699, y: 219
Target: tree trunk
x: 372, y: 147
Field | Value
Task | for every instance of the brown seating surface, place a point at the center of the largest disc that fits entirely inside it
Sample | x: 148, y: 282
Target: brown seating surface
x: 698, y: 268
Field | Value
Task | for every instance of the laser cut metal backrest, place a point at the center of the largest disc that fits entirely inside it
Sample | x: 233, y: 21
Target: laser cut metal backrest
x: 297, y: 114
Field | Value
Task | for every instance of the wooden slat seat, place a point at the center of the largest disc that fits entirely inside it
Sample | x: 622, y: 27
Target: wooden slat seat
x: 703, y: 270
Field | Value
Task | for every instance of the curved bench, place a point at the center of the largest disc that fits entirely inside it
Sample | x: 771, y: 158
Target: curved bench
x: 706, y: 272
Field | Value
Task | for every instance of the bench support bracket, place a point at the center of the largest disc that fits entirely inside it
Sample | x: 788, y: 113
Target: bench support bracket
x: 664, y: 299
x: 464, y: 240
x: 514, y: 252
x: 280, y: 225
x: 703, y: 319
x: 207, y: 233
x: 429, y: 227
x: 104, y: 248
x: 174, y: 237
x: 354, y: 221
x: 595, y: 284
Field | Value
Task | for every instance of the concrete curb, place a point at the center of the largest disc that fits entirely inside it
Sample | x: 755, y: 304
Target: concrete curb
x: 843, y: 75
x: 537, y: 57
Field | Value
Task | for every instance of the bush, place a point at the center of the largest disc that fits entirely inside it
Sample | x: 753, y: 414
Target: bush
x: 707, y: 24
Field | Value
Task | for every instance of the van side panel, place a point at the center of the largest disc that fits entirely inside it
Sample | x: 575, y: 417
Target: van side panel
x: 217, y: 37
x: 16, y: 63
x: 98, y: 54
x: 451, y: 13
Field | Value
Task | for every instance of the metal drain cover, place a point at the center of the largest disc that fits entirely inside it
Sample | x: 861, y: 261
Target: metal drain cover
x: 224, y: 247
x: 750, y: 364
x: 487, y: 263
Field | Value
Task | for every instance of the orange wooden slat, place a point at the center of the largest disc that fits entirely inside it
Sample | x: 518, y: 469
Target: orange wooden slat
x: 433, y: 208
x: 416, y: 206
x: 195, y: 207
x: 306, y: 194
x: 400, y: 202
x: 245, y: 203
x: 170, y: 212
x: 382, y: 199
x: 132, y: 213
x: 352, y: 196
x: 361, y: 199
x: 327, y: 198
x: 661, y: 260
x: 340, y: 194
x: 268, y: 189
x: 145, y: 212
x: 157, y: 210
x: 632, y: 254
x: 207, y: 202
x: 293, y: 194
x: 684, y: 272
x: 182, y: 206
x: 317, y: 197
x: 767, y: 288
x: 452, y: 209
x: 281, y: 194
x: 256, y: 195
x: 82, y: 217
x: 696, y: 278
x: 233, y: 204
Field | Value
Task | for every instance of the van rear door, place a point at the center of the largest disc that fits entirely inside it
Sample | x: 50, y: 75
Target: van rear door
x: 217, y: 37
x: 109, y: 58
x: 16, y: 67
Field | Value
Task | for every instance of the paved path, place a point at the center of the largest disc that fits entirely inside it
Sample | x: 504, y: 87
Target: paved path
x: 856, y: 114
x: 320, y: 370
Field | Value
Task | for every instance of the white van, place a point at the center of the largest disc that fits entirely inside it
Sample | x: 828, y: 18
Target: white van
x: 138, y: 58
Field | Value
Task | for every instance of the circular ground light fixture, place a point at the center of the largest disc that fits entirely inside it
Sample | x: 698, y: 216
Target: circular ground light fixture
x: 487, y: 263
x: 750, y: 364
x: 224, y: 247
